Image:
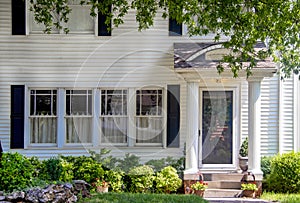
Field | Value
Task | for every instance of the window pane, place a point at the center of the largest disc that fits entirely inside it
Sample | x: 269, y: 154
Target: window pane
x: 150, y: 104
x: 114, y: 102
x: 43, y: 130
x: 43, y: 102
x: 78, y: 105
x: 149, y: 130
x: 114, y: 116
x: 138, y: 104
x: 114, y: 129
x: 80, y: 20
x: 79, y: 130
x: 32, y: 105
x: 38, y: 28
x: 149, y: 121
x: 79, y: 102
x: 42, y: 123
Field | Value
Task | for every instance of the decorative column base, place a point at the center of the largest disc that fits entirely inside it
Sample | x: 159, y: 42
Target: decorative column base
x: 190, y: 177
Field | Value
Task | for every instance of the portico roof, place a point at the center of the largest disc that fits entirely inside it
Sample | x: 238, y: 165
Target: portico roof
x: 204, y: 58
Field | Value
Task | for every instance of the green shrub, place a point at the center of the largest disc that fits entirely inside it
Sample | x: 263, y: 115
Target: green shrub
x: 244, y: 148
x: 51, y: 169
x: 77, y: 163
x: 266, y: 169
x: 89, y: 171
x: 67, y: 174
x: 266, y: 165
x: 285, y: 173
x: 37, y: 165
x: 167, y: 180
x: 16, y: 172
x: 141, y: 179
x: 115, y: 179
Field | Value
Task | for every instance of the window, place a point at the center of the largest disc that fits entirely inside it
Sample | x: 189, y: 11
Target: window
x: 69, y: 117
x: 43, y: 117
x: 80, y: 20
x: 113, y: 117
x: 79, y: 116
x: 149, y: 118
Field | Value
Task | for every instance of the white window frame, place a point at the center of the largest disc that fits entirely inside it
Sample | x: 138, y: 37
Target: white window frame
x: 162, y: 116
x: 30, y: 19
x: 66, y: 116
x: 101, y: 116
x: 28, y: 115
x: 61, y: 142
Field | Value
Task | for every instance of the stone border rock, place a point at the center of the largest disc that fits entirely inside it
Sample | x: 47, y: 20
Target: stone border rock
x: 55, y: 193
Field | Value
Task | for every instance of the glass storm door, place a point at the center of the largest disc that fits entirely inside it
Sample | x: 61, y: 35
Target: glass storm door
x: 216, y: 147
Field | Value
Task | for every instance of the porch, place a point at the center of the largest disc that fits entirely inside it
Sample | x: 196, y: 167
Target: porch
x: 206, y: 89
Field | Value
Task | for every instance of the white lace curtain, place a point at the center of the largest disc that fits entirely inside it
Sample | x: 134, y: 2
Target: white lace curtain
x: 79, y: 129
x: 149, y: 129
x: 43, y: 129
x: 114, y: 129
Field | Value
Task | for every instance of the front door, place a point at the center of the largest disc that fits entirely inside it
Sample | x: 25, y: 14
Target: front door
x: 216, y: 125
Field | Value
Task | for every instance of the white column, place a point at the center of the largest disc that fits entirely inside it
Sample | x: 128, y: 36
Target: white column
x: 296, y: 123
x: 61, y: 134
x: 254, y: 121
x: 96, y: 115
x: 192, y: 128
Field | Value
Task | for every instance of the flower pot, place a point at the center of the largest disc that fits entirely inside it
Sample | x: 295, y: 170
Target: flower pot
x: 243, y: 163
x: 199, y: 192
x: 102, y: 189
x: 249, y: 193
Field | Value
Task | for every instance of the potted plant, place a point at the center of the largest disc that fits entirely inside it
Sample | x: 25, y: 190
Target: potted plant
x: 243, y: 156
x: 199, y: 187
x: 249, y: 189
x: 101, y: 185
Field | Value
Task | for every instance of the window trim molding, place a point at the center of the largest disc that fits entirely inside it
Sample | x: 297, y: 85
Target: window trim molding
x: 28, y: 25
x: 27, y: 116
x: 96, y: 129
x: 100, y: 134
x: 163, y: 116
x: 80, y: 116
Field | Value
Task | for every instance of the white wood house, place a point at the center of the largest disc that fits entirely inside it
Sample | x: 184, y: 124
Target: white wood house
x: 152, y: 93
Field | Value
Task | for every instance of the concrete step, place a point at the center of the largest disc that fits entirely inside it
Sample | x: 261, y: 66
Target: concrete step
x: 222, y: 176
x: 221, y: 193
x: 236, y: 200
x: 224, y: 184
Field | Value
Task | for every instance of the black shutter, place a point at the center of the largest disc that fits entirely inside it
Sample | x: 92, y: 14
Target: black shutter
x: 17, y: 117
x: 173, y: 115
x: 175, y: 29
x: 18, y: 17
x: 102, y: 27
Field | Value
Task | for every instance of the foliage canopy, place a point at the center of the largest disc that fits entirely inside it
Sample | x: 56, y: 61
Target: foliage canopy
x: 240, y: 24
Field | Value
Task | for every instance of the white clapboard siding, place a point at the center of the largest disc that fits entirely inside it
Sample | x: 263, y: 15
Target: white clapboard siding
x: 5, y: 17
x: 145, y: 153
x: 286, y: 132
x: 269, y: 114
x: 128, y: 58
x: 244, y: 110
